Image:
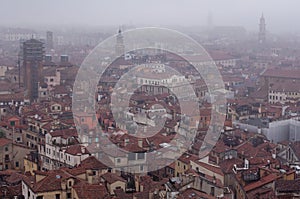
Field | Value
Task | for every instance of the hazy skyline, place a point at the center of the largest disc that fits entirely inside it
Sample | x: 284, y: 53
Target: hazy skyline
x: 280, y: 15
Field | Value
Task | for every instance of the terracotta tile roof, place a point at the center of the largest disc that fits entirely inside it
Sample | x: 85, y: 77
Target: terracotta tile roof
x: 287, y: 185
x: 74, y: 171
x: 60, y: 89
x: 120, y: 194
x: 220, y: 147
x: 4, y: 141
x: 92, y: 163
x: 10, y: 97
x: 186, y: 158
x: 112, y: 177
x: 14, y: 178
x: 76, y: 150
x: 7, y: 172
x: 194, y: 194
x: 286, y: 73
x: 151, y: 185
x: 64, y: 133
x: 132, y: 145
x: 142, y: 195
x: 285, y: 87
x: 14, y: 118
x: 263, y: 181
x: 214, y: 169
x: 248, y: 150
x: 10, y: 191
x: 95, y: 191
x: 227, y: 165
x: 262, y: 192
x: 52, y: 181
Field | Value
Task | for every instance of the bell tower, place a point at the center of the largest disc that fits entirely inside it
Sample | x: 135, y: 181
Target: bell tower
x: 120, y: 48
x: 262, y: 30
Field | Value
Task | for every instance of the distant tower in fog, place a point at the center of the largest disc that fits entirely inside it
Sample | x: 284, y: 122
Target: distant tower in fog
x: 32, y: 52
x: 262, y: 30
x: 49, y: 40
x: 120, y: 48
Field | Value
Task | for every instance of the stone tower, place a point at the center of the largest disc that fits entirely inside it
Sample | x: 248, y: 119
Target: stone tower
x: 120, y: 48
x: 262, y: 30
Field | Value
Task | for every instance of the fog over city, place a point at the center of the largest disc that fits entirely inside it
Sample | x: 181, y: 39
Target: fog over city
x: 149, y: 99
x: 281, y: 15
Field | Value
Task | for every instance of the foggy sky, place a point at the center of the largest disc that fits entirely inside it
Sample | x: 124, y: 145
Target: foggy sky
x: 281, y: 15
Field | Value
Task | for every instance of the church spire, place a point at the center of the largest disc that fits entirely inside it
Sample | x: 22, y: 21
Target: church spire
x: 120, y: 48
x: 262, y: 29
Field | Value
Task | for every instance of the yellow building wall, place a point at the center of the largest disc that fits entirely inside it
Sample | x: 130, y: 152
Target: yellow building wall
x: 114, y: 185
x: 30, y: 166
x: 51, y: 195
x: 180, y: 167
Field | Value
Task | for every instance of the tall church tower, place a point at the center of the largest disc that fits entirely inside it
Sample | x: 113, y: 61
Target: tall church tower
x: 262, y: 30
x: 120, y: 48
x: 32, y: 52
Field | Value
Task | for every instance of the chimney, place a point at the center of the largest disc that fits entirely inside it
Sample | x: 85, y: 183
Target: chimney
x: 140, y: 143
x: 126, y: 141
x: 246, y: 164
x: 82, y: 150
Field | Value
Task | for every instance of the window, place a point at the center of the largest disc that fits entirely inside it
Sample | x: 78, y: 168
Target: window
x: 57, y: 196
x: 141, y: 156
x: 6, y: 148
x: 40, y: 197
x: 212, y: 191
x: 131, y: 156
x: 17, y: 164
